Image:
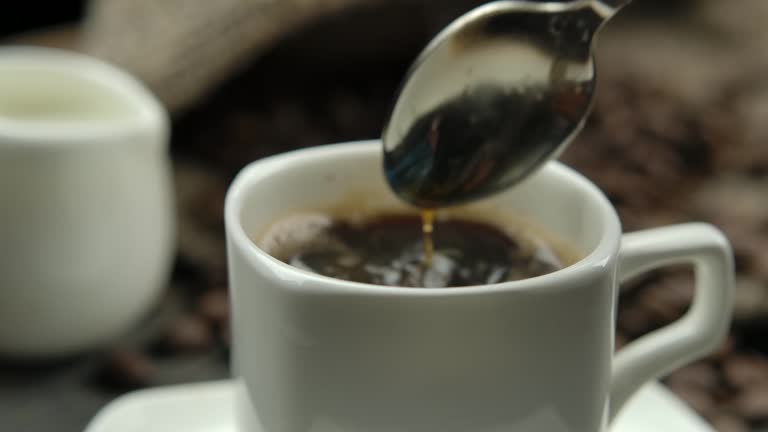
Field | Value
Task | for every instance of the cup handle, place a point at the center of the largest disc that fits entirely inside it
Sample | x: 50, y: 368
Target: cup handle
x: 701, y: 329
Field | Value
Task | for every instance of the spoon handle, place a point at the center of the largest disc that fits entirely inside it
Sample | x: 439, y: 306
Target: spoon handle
x: 616, y: 4
x: 608, y: 8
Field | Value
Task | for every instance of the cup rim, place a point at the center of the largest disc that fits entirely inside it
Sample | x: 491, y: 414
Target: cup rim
x: 595, y: 262
x: 149, y: 113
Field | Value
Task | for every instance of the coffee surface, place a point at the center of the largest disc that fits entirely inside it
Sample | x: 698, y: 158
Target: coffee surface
x: 390, y: 250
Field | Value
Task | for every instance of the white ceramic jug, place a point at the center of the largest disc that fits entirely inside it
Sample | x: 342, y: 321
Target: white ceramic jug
x: 86, y: 213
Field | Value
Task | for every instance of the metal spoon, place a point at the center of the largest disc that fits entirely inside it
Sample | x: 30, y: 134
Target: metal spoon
x: 494, y: 96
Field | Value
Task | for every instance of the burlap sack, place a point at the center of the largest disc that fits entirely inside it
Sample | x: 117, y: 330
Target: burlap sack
x: 184, y: 48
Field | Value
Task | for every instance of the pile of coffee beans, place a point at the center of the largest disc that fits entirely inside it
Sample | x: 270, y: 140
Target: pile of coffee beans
x: 662, y: 162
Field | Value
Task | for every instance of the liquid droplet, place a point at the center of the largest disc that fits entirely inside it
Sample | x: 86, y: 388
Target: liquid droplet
x: 427, y: 228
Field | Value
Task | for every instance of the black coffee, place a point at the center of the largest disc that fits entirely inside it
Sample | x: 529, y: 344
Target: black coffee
x: 390, y: 250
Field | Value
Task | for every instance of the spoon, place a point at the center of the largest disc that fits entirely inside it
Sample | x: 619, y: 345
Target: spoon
x: 495, y: 95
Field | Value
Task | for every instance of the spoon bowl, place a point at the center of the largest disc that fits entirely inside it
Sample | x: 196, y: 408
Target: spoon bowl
x: 495, y: 95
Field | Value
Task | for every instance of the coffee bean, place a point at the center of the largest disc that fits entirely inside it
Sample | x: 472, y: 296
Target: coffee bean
x: 752, y: 404
x: 659, y: 311
x: 661, y: 217
x: 699, y: 400
x: 750, y: 299
x: 200, y: 194
x: 748, y: 243
x: 760, y: 262
x: 667, y: 299
x: 727, y: 422
x: 620, y: 341
x: 662, y: 299
x: 747, y: 201
x: 724, y: 351
x: 126, y: 369
x: 639, y: 282
x: 751, y: 255
x: 744, y: 371
x: 212, y: 208
x: 201, y: 248
x: 635, y: 321
x: 700, y: 375
x: 214, y: 306
x: 676, y: 289
x: 189, y: 333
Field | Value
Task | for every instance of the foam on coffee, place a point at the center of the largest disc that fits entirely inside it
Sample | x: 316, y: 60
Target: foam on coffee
x: 388, y: 249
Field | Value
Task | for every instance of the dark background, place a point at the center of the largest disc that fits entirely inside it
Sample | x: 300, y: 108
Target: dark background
x: 24, y: 16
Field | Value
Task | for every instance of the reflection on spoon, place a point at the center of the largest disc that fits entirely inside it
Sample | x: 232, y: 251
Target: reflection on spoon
x: 498, y: 93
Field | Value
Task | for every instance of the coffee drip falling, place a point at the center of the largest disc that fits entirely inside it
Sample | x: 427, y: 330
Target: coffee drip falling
x: 427, y: 229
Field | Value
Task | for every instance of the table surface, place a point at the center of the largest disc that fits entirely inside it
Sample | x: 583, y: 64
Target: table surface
x: 63, y: 396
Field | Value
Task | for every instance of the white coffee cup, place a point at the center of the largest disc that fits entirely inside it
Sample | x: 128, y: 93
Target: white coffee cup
x: 316, y: 354
x: 86, y: 210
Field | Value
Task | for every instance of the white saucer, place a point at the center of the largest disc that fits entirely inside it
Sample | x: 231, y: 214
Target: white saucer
x: 208, y: 407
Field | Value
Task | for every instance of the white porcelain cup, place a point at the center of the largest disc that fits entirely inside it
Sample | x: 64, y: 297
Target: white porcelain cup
x: 86, y: 210
x: 316, y: 354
